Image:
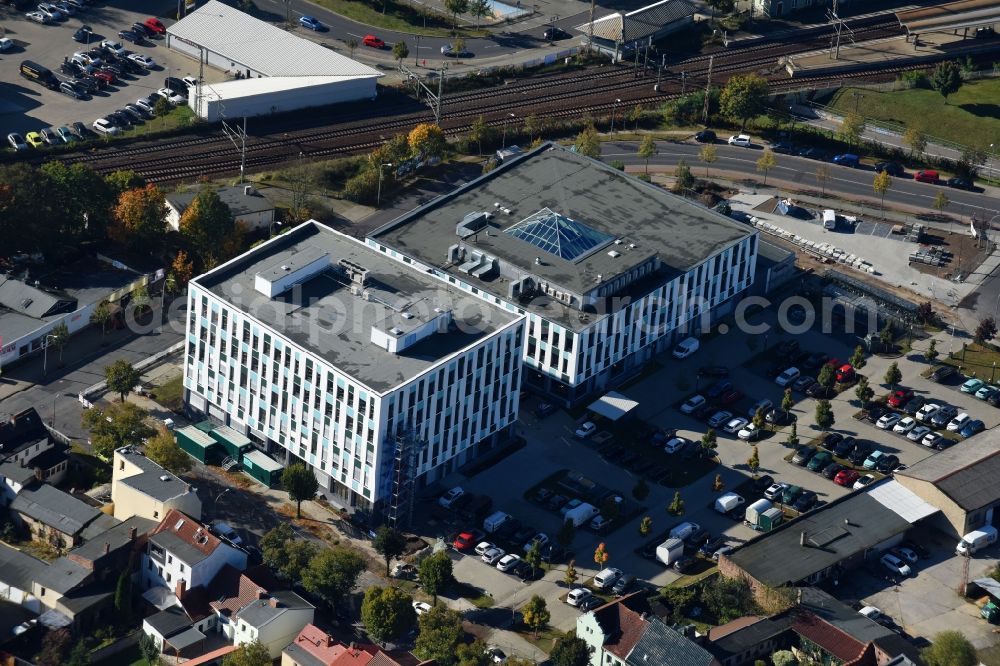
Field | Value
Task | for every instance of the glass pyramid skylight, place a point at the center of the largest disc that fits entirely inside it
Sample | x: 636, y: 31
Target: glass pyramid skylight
x: 558, y: 235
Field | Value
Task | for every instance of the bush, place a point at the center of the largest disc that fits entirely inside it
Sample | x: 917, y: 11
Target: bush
x: 915, y: 79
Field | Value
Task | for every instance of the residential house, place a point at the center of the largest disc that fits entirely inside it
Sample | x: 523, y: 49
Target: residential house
x: 315, y: 647
x: 140, y: 487
x: 246, y: 204
x: 273, y: 620
x: 173, y: 632
x: 28, y: 454
x: 114, y: 550
x: 17, y: 574
x: 52, y: 515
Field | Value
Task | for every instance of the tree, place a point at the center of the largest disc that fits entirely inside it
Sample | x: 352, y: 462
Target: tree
x: 851, y: 129
x: 709, y: 442
x: 743, y: 97
x: 784, y: 658
x: 426, y: 139
x: 766, y: 162
x: 207, y: 223
x: 822, y: 177
x: 683, y: 178
x: 352, y: 44
x: 946, y: 78
x: 611, y: 508
x: 535, y: 613
x: 986, y: 330
x: 679, y: 600
x: 534, y: 556
x: 886, y: 335
x: 863, y: 391
x: 439, y: 636
x: 707, y: 155
x: 121, y: 424
x: 59, y: 337
x: 272, y: 544
x: 787, y: 401
x: 161, y: 107
x: 534, y: 126
x: 55, y: 647
x: 399, y: 51
x: 892, y: 375
x: 79, y: 655
x: 140, y: 299
x: 300, y: 483
x: 641, y: 490
x: 571, y: 575
x: 941, y: 202
x: 83, y: 196
x: 932, y: 353
x: 165, y: 452
x: 753, y: 462
x: 857, y: 359
x: 881, y: 185
x: 676, y: 507
x: 570, y: 651
x: 647, y: 148
x: 148, y: 649
x: 123, y: 180
x: 950, y: 648
x: 718, y: 484
x: 824, y: 414
x: 101, y: 316
x: 284, y: 554
x: 793, y: 436
x: 729, y: 598
x: 248, y: 654
x: 635, y: 115
x: 333, y: 573
x: 121, y: 377
x: 181, y: 269
x: 826, y: 377
x: 387, y: 613
x: 587, y: 143
x: 566, y: 534
x: 645, y: 526
x: 436, y: 574
x: 480, y: 131
x: 140, y: 217
x: 123, y: 597
x: 601, y: 555
x: 916, y: 140
x: 389, y: 543
x: 456, y: 7
x: 758, y: 422
x: 925, y: 313
x: 479, y: 9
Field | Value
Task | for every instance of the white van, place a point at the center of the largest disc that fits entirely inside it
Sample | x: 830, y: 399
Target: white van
x: 686, y: 347
x: 829, y: 219
x: 684, y: 530
x: 607, y: 577
x: 976, y: 540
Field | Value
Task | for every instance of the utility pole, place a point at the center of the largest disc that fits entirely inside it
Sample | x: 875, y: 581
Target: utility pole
x: 433, y: 101
x: 238, y: 136
x: 708, y: 87
x: 659, y: 72
x: 590, y: 28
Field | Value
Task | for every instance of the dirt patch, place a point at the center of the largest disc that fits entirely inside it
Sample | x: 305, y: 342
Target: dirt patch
x: 963, y: 254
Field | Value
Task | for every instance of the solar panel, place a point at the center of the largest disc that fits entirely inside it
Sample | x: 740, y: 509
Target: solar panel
x: 558, y: 235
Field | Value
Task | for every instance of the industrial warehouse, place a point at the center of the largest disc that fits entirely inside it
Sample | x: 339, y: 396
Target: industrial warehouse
x: 274, y: 71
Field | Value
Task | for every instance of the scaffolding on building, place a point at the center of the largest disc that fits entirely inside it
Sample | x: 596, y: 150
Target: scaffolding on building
x: 399, y: 509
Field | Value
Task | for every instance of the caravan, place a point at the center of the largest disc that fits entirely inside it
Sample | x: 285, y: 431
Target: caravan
x: 829, y: 219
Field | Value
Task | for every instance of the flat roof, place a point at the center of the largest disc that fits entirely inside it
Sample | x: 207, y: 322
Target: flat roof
x: 263, y: 461
x: 949, y: 16
x: 153, y: 481
x: 333, y: 319
x: 197, y: 436
x: 966, y: 473
x: 643, y: 219
x: 263, y: 47
x: 239, y: 202
x: 612, y: 405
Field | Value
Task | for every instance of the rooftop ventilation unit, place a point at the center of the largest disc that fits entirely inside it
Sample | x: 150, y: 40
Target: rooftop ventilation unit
x: 614, y: 254
x: 292, y: 268
x: 395, y: 331
x: 355, y: 272
x: 407, y: 315
x: 471, y: 224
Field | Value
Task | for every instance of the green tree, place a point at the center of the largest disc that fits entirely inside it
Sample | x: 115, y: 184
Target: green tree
x: 826, y: 377
x: 165, y: 452
x: 886, y: 335
x: 148, y: 649
x: 647, y: 148
x: 766, y: 162
x: 352, y: 45
x: 824, y: 415
x: 123, y: 180
x: 436, y: 574
x: 709, y: 442
x: 787, y: 401
x: 676, y: 507
x: 207, y: 223
x: 300, y: 483
x: 479, y: 9
x: 729, y: 598
x: 284, y: 554
x: 534, y: 126
x: 566, y: 534
x: 986, y: 330
x: 123, y: 597
x: 571, y: 575
x: 59, y: 337
x: 399, y: 51
x: 55, y: 648
x: 333, y: 573
x: 100, y: 317
x: 851, y: 129
x: 570, y: 651
x: 758, y: 422
x: 683, y: 178
x: 248, y: 654
x: 272, y: 544
x: 387, y: 613
x: 784, y: 658
x: 950, y: 648
x: 481, y: 132
x: 79, y: 655
x: 140, y: 299
x: 84, y: 197
x: 793, y: 436
x: 121, y: 377
x: 439, y: 636
x: 857, y: 359
x: 679, y: 600
x: 743, y: 97
x: 707, y: 155
x: 892, y: 375
x: 881, y: 185
x: 932, y: 353
x: 645, y: 526
x: 822, y: 177
x: 535, y: 613
x: 941, y: 202
x: 587, y: 143
x: 863, y: 391
x: 534, y: 557
x: 121, y: 424
x: 161, y: 107
x: 915, y: 140
x: 456, y: 7
x: 753, y: 462
x: 641, y: 489
x: 946, y: 78
x: 389, y: 543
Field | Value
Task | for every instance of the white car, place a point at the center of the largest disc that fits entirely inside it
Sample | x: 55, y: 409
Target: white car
x: 871, y: 612
x: 85, y: 59
x: 692, y: 403
x: 932, y: 439
x: 863, y: 482
x: 887, y: 421
x: 748, y: 432
x: 585, y: 430
x: 6, y: 44
x: 787, y: 377
x: 904, y: 425
x: 675, y: 444
x: 37, y: 17
x: 421, y: 607
x: 50, y: 12
x: 917, y: 433
x: 508, y: 562
x: 141, y: 59
x: 143, y: 103
x: 189, y: 81
x: 925, y: 413
x: 16, y: 141
x: 114, y: 47
x: 575, y: 597
x: 905, y: 553
x: 225, y: 531
x: 65, y: 8
x: 483, y: 547
x: 171, y: 96
x: 740, y: 140
x: 686, y: 347
x: 449, y: 497
x: 895, y: 565
x: 774, y: 491
x: 542, y: 539
x: 959, y: 422
x: 105, y: 126
x: 735, y: 425
x: 493, y: 555
x: 719, y: 418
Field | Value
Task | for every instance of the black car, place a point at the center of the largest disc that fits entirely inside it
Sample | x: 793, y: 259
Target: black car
x: 623, y: 585
x: 815, y: 360
x: 832, y: 470
x: 685, y: 565
x: 121, y: 119
x: 844, y: 447
x: 802, y: 455
x: 705, y: 136
x: 787, y: 348
x: 817, y: 390
x: 960, y: 183
x: 712, y: 545
x: 805, y: 501
x: 778, y: 416
x: 718, y: 388
x: 112, y: 68
x: 130, y: 36
x: 861, y: 450
x: 526, y: 572
x: 131, y: 66
x: 892, y: 168
x: 553, y: 553
x: 590, y: 603
x: 142, y: 30
x: 783, y: 148
x: 134, y: 112
x: 69, y: 68
x: 831, y: 440
x: 79, y: 129
x: 556, y: 502
x: 83, y: 34
x: 887, y: 463
x: 762, y: 483
x: 942, y: 372
x: 704, y: 412
x: 815, y: 154
x: 945, y: 414
x: 696, y: 539
x: 554, y: 34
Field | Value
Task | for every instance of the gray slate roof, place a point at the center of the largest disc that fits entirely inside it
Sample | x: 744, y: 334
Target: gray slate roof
x: 153, y: 481
x: 259, y: 612
x: 235, y: 197
x: 18, y: 569
x: 30, y: 301
x: 663, y: 646
x: 16, y: 472
x: 54, y: 508
x: 62, y: 575
x: 841, y: 616
x: 967, y: 474
x: 115, y: 537
x: 645, y: 21
x: 101, y: 524
x: 178, y: 547
x: 169, y: 622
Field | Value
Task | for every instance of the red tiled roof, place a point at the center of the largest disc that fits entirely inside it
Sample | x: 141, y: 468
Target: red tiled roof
x: 232, y: 589
x: 189, y: 530
x: 355, y: 656
x: 623, y: 622
x: 210, y: 657
x: 838, y: 643
x: 319, y: 644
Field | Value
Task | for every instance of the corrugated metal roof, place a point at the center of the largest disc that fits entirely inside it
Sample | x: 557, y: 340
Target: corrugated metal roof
x: 966, y: 473
x: 251, y: 87
x: 262, y: 47
x: 263, y: 461
x: 640, y: 23
x: 893, y: 495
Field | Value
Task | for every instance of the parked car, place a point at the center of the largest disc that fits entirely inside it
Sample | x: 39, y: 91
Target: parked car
x: 69, y: 88
x: 774, y: 491
x: 705, y: 136
x: 310, y: 23
x: 421, y: 607
x: 900, y: 397
x: 844, y: 447
x: 685, y: 565
x: 862, y: 449
x: 892, y: 168
x: 17, y: 142
x: 959, y: 422
x: 943, y: 416
x: 79, y: 129
x: 734, y: 425
x: 819, y: 461
x: 960, y: 184
x: 142, y: 60
x: 895, y: 565
x: 578, y: 595
x: 873, y: 459
x: 846, y: 477
x: 493, y: 555
x: 904, y: 425
x: 918, y: 433
x: 34, y: 139
x: 464, y: 541
x: 972, y: 428
x: 783, y: 148
x: 926, y: 176
x: 692, y: 403
x: 83, y: 34
x: 65, y: 134
x: 802, y: 384
x: 623, y: 585
x: 864, y: 481
x: 508, y: 562
x: 805, y: 501
x: 130, y: 36
x: 887, y: 463
x: 585, y: 430
x: 740, y: 140
x: 888, y: 421
x: 38, y: 17
x: 972, y: 385
x: 802, y: 455
x: 113, y: 47
x: 847, y: 159
x: 942, y: 372
x: 815, y: 153
x: 914, y: 404
x: 778, y: 416
x: 155, y: 25
x: 932, y: 439
x: 787, y: 377
x: 830, y: 440
x: 719, y: 418
x: 986, y: 391
x: 554, y: 34
x: 224, y: 530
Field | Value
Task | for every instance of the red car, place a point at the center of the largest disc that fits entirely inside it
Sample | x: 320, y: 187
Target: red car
x: 373, y: 41
x: 846, y: 477
x: 101, y: 75
x: 155, y: 25
x: 464, y: 541
x: 845, y: 373
x: 926, y: 176
x: 900, y: 397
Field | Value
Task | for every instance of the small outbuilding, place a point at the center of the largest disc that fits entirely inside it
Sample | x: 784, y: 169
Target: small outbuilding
x: 262, y: 467
x: 619, y: 34
x: 198, y: 444
x: 245, y: 203
x: 233, y: 443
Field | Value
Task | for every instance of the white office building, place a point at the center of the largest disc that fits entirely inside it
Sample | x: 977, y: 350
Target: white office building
x: 608, y: 270
x: 378, y: 376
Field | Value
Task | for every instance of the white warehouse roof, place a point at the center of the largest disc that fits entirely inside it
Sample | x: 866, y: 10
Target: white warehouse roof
x: 248, y: 87
x: 262, y: 47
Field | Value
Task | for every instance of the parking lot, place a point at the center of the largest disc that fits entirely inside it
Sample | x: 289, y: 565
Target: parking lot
x: 26, y: 106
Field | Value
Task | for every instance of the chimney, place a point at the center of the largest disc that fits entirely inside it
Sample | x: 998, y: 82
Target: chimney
x: 273, y: 602
x: 180, y: 589
x: 107, y: 547
x: 132, y: 533
x: 261, y: 593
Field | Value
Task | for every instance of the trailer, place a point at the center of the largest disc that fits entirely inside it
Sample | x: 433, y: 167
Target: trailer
x: 670, y: 551
x: 582, y: 514
x: 762, y: 516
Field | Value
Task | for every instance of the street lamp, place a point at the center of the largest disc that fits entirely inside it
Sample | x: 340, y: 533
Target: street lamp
x: 991, y: 161
x: 378, y: 198
x: 216, y: 499
x: 614, y: 108
x: 503, y: 144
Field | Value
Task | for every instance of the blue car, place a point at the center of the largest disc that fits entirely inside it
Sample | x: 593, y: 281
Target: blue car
x: 847, y: 159
x: 311, y: 23
x: 972, y: 428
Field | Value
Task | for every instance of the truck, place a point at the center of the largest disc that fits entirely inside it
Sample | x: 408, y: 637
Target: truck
x: 581, y: 514
x: 728, y: 502
x: 762, y: 516
x: 976, y: 540
x: 670, y: 551
x: 495, y: 521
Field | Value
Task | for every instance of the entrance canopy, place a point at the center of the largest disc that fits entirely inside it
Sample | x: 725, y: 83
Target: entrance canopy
x: 612, y: 406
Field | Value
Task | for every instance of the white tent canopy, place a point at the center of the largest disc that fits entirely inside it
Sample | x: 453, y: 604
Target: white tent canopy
x: 612, y: 406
